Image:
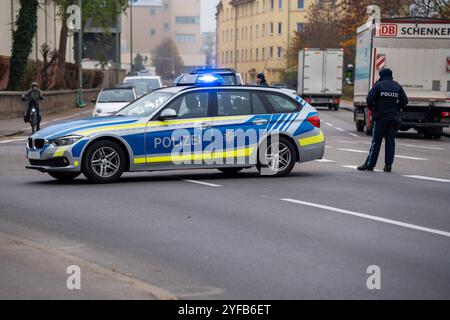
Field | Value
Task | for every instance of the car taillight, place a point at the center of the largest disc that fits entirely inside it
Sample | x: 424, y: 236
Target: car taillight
x: 445, y: 114
x: 315, y: 121
x: 337, y: 100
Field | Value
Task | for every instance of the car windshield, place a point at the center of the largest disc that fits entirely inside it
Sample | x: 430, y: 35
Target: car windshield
x: 230, y: 79
x: 116, y: 95
x: 141, y: 89
x: 146, y: 105
x: 152, y: 83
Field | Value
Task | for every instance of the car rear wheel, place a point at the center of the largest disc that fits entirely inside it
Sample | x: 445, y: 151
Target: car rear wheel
x: 104, y: 162
x: 64, y: 176
x: 230, y: 171
x: 277, y: 158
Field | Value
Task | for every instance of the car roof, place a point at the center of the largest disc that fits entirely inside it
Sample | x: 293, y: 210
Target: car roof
x: 142, y: 77
x: 118, y: 88
x: 177, y: 89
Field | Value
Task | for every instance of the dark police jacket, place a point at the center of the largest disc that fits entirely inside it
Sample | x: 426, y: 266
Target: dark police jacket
x: 386, y: 97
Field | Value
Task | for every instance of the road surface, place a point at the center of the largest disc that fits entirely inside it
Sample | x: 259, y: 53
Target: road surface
x: 202, y: 235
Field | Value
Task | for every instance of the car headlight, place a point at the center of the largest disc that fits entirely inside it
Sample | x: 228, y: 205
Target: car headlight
x: 65, y: 140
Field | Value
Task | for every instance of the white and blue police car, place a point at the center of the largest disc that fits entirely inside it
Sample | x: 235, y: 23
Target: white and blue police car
x: 207, y: 125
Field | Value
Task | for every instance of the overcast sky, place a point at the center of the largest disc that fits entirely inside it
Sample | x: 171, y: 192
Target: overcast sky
x: 208, y: 21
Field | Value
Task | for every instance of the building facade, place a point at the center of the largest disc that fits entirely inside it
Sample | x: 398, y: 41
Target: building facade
x: 253, y: 35
x: 48, y: 28
x: 156, y: 20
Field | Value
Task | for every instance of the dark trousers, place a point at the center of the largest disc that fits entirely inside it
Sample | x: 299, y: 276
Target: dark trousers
x: 385, y: 127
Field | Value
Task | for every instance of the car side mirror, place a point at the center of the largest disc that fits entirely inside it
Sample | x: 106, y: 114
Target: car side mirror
x: 167, y: 114
x: 94, y: 101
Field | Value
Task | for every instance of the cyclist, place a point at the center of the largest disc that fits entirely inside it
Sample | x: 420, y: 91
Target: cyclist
x: 32, y: 97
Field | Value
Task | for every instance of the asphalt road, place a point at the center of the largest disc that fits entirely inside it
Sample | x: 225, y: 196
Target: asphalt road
x: 202, y: 235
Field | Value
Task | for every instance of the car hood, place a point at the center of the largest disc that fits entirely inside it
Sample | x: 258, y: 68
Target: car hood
x: 69, y: 127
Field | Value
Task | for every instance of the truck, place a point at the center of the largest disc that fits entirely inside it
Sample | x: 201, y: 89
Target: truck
x: 320, y: 74
x: 417, y: 50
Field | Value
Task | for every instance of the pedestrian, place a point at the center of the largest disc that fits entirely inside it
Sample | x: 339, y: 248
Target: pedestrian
x: 33, y: 97
x: 385, y: 100
x: 261, y: 80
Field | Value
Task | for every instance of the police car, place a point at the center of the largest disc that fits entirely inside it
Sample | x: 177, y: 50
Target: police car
x: 208, y: 125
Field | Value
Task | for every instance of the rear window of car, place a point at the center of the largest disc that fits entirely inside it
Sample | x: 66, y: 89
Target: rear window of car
x: 281, y: 104
x: 152, y: 83
x: 116, y: 95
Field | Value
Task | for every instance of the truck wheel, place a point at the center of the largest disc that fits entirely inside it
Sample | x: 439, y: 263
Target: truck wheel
x: 359, y: 125
x: 104, y: 162
x: 330, y: 107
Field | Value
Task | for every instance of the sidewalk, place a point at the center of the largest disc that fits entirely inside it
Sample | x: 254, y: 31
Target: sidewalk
x: 18, y: 126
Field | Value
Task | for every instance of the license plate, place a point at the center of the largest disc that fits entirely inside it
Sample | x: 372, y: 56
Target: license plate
x: 36, y: 155
x: 321, y: 100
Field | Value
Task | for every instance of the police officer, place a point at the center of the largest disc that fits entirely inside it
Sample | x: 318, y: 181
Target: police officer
x: 261, y: 79
x: 385, y: 100
x: 33, y: 97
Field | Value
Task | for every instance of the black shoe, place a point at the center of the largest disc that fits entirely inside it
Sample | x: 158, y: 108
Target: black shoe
x: 387, y: 168
x: 365, y: 167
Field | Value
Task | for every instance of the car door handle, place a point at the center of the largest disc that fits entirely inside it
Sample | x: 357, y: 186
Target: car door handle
x: 203, y: 125
x: 259, y: 122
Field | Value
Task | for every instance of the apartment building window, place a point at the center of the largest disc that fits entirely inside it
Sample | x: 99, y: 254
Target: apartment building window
x: 280, y: 28
x: 280, y: 4
x: 271, y: 28
x: 152, y: 12
x: 263, y: 53
x: 166, y: 6
x: 185, y: 37
x: 257, y: 31
x: 223, y: 56
x: 187, y: 20
x: 231, y: 35
x: 226, y: 57
x: 300, y: 27
x: 256, y: 54
x: 263, y: 30
x: 251, y: 55
x: 264, y: 6
x: 271, y: 53
x: 251, y: 33
x: 231, y: 56
x: 300, y: 4
x: 237, y: 55
x: 166, y: 26
x: 272, y: 4
x: 152, y: 32
x: 280, y: 53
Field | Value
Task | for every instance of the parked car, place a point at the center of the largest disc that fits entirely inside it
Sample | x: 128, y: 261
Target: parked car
x: 154, y: 82
x: 140, y: 88
x: 113, y: 99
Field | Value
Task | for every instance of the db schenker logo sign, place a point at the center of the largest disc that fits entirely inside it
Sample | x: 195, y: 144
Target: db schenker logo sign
x: 388, y: 30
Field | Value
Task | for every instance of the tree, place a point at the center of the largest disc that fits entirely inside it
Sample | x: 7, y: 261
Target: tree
x: 430, y: 8
x: 138, y: 62
x: 26, y: 25
x: 167, y: 60
x: 102, y: 13
x: 46, y: 54
x: 353, y: 14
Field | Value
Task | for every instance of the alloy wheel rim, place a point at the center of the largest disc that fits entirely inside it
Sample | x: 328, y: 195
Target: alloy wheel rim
x: 105, y: 162
x: 278, y: 156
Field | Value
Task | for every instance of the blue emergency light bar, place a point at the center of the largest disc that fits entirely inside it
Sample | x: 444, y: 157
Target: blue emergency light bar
x: 209, y: 79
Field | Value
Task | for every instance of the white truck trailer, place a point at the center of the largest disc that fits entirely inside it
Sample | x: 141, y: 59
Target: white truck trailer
x: 320, y: 73
x: 418, y: 52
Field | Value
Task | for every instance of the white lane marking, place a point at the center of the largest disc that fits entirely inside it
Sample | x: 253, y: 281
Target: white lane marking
x: 352, y: 134
x: 370, y: 217
x: 324, y: 160
x: 329, y: 124
x: 397, y: 156
x: 329, y: 147
x: 352, y: 150
x: 339, y: 129
x: 411, y: 158
x: 427, y: 178
x: 420, y: 147
x: 13, y: 140
x: 356, y: 167
x: 203, y: 183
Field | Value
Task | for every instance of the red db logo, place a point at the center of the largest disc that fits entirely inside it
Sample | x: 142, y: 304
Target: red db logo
x: 388, y: 30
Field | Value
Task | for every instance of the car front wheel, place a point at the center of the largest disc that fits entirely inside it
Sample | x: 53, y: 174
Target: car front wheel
x: 104, y: 162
